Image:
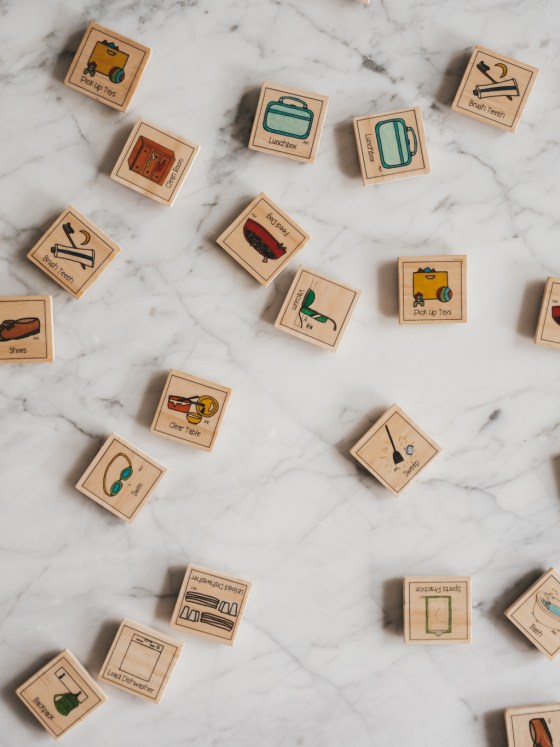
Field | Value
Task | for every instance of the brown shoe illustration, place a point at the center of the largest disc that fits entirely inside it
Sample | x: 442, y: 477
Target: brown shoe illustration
x: 17, y: 329
x: 540, y: 733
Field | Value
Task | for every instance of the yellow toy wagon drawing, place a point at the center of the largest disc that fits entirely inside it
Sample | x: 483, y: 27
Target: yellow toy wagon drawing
x: 107, y: 59
x: 430, y: 285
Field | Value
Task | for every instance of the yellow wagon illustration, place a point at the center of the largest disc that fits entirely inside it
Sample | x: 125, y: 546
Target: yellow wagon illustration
x: 107, y: 59
x: 430, y: 285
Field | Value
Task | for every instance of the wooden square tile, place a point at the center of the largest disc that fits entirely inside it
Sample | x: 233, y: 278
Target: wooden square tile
x: 391, y: 146
x: 548, y: 328
x: 155, y: 162
x: 317, y: 309
x: 289, y: 122
x: 263, y: 239
x: 107, y: 67
x: 74, y: 252
x: 191, y: 410
x: 121, y: 478
x: 395, y: 450
x: 537, y: 613
x: 495, y: 89
x: 210, y: 604
x: 433, y: 289
x: 533, y: 726
x: 141, y: 661
x: 61, y: 694
x: 437, y: 609
x: 26, y: 329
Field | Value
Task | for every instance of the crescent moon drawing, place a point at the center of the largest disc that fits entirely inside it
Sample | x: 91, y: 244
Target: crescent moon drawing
x: 87, y: 237
x: 503, y: 69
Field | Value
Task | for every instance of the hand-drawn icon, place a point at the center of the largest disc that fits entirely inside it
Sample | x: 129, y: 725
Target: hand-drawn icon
x: 151, y: 160
x: 204, y: 600
x: 555, y: 313
x: 393, y: 142
x: 507, y: 88
x: 292, y: 120
x: 546, y: 610
x: 409, y: 450
x: 141, y: 657
x: 107, y: 59
x: 306, y: 310
x: 262, y: 240
x: 126, y: 473
x: 429, y: 284
x: 438, y: 615
x: 540, y: 733
x: 66, y: 702
x: 397, y: 456
x: 205, y: 406
x: 75, y: 253
x: 17, y: 329
x: 503, y: 68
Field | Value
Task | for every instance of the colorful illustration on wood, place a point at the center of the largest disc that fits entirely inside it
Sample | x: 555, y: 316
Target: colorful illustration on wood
x: 26, y: 329
x: 307, y: 313
x: 151, y: 160
x: 437, y: 609
x: 533, y: 726
x: 495, y: 89
x: 107, y: 59
x: 263, y: 239
x: 537, y: 613
x: 288, y: 116
x: 548, y: 327
x: 432, y: 289
x: 195, y: 408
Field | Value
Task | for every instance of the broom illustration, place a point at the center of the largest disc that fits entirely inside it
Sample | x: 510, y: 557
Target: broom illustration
x: 306, y: 309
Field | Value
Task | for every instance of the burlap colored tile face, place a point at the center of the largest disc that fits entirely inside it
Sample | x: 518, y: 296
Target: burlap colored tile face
x: 121, y: 478
x: 26, y: 329
x: 537, y: 613
x: 210, y: 604
x: 395, y: 450
x: 263, y: 239
x: 107, y: 66
x: 432, y: 289
x: 437, y: 609
x: 141, y: 661
x: 288, y: 122
x: 191, y: 410
x: 155, y: 162
x: 533, y: 726
x: 317, y: 309
x: 391, y: 146
x: 548, y: 330
x: 61, y: 694
x: 73, y: 252
x: 495, y: 89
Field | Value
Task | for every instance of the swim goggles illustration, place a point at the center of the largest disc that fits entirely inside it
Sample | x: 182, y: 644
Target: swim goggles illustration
x: 195, y: 408
x: 126, y: 473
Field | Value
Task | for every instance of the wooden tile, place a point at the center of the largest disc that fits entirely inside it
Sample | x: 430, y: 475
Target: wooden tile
x: 548, y: 328
x: 537, y: 613
x: 391, y: 146
x: 191, y: 410
x: 495, y: 89
x: 533, y: 726
x: 74, y: 252
x: 155, y: 162
x: 437, y: 609
x: 141, y: 661
x: 263, y: 239
x: 210, y: 604
x: 433, y: 289
x: 26, y: 329
x: 107, y: 67
x: 121, y: 478
x: 395, y: 450
x: 61, y: 694
x: 288, y: 122
x: 317, y: 309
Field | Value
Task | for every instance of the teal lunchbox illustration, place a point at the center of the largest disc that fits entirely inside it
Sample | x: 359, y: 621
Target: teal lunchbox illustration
x: 394, y: 144
x: 288, y: 116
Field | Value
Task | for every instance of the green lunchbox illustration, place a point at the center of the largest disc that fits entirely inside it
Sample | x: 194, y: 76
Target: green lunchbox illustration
x: 394, y: 144
x: 292, y: 120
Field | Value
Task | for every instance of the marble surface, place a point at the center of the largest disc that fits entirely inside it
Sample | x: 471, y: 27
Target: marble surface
x: 320, y: 658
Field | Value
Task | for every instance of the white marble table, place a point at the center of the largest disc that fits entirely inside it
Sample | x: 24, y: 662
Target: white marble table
x: 319, y: 659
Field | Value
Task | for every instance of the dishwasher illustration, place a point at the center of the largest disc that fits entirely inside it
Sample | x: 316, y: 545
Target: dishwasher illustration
x: 393, y: 141
x: 292, y: 120
x: 107, y: 59
x: 141, y: 657
x: 430, y: 285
